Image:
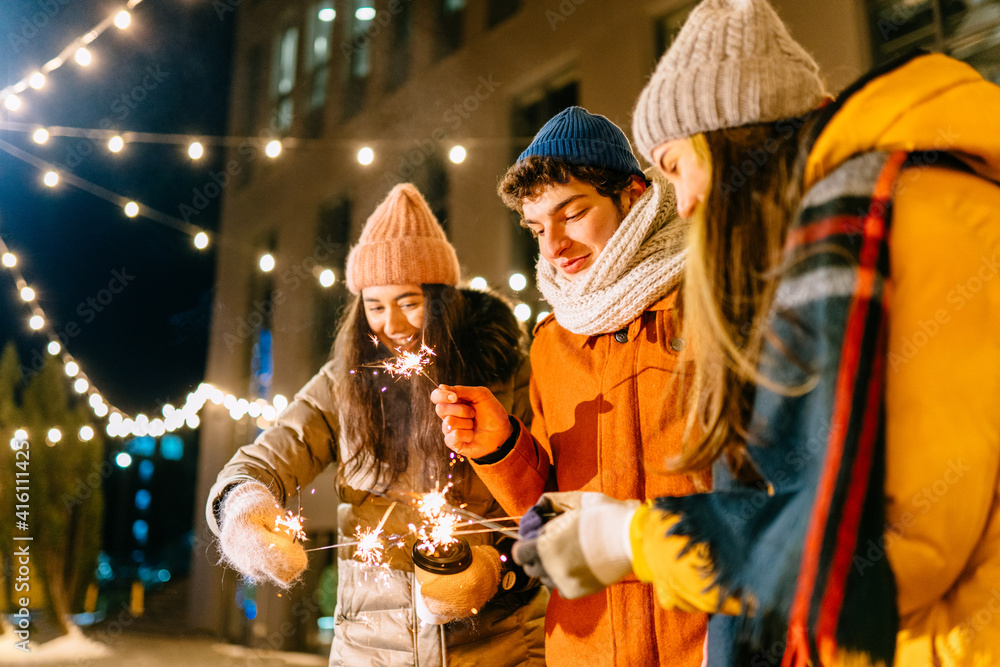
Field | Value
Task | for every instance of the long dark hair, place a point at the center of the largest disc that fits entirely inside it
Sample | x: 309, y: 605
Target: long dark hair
x: 731, y: 276
x: 393, y: 421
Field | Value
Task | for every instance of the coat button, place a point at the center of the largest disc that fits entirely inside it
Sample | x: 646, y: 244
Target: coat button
x: 621, y: 335
x: 677, y: 344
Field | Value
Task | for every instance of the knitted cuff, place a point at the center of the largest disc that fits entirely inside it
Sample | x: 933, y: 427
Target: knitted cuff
x: 604, y: 540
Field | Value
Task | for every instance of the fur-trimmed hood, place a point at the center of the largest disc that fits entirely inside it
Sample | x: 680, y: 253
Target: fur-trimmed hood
x: 491, y: 340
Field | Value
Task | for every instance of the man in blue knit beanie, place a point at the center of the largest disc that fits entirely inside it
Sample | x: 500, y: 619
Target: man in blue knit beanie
x: 606, y: 417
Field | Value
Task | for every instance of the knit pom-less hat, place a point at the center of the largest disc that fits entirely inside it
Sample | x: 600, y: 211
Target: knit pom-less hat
x: 733, y: 63
x: 579, y: 137
x: 401, y: 244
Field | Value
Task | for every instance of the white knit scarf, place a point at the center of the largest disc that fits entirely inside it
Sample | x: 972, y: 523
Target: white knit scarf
x: 641, y: 263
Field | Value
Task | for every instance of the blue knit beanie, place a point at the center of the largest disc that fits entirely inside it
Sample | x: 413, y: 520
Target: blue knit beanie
x: 578, y: 137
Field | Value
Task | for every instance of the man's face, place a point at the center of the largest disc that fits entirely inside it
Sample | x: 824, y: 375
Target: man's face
x: 573, y: 223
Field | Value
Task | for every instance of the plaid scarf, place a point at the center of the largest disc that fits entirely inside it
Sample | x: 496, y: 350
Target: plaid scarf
x: 806, y: 553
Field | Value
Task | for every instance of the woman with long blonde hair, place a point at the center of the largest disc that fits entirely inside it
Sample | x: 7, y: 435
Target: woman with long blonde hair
x: 841, y: 289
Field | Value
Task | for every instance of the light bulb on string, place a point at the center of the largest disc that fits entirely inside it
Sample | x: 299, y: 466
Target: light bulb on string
x: 51, y: 179
x: 273, y: 148
x: 131, y: 209
x: 201, y: 240
x: 54, y: 435
x: 457, y: 154
x: 366, y: 155
x: 266, y: 262
x: 116, y: 143
x: 196, y: 150
x: 327, y: 278
x: 95, y: 400
x: 123, y: 20
x: 40, y: 136
x: 83, y: 57
x: 72, y: 368
x: 54, y: 347
x: 9, y: 260
x: 27, y: 294
x: 81, y: 386
x: 36, y: 322
x: 86, y: 433
x: 37, y: 80
x: 12, y: 102
x: 101, y: 410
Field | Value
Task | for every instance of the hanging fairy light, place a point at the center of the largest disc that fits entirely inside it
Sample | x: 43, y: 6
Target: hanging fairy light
x: 196, y: 150
x: 27, y: 294
x: 116, y: 143
x: 54, y: 435
x: 366, y: 156
x: 123, y: 20
x: 131, y: 209
x: 37, y: 80
x: 86, y: 434
x: 51, y: 179
x: 9, y: 260
x: 71, y: 368
x: 266, y: 262
x: 201, y: 240
x: 40, y: 136
x: 81, y: 386
x: 83, y: 56
x: 12, y: 102
x: 36, y: 322
x: 273, y: 148
x: 54, y: 347
x: 327, y: 278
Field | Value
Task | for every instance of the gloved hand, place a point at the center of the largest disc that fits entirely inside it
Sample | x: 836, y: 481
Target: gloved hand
x: 460, y: 595
x: 249, y: 542
x: 581, y: 550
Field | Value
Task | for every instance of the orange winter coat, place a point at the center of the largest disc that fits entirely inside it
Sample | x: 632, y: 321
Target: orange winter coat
x: 606, y: 418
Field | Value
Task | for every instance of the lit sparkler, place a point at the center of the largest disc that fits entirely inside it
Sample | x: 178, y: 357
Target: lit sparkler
x: 292, y: 524
x: 407, y: 364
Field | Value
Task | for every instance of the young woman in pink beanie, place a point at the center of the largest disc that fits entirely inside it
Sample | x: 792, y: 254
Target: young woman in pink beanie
x: 387, y: 441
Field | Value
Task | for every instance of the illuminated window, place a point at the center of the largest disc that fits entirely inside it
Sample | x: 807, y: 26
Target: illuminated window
x: 283, y: 75
x: 320, y: 31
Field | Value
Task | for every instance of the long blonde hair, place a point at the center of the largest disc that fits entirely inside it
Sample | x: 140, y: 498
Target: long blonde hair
x: 730, y: 278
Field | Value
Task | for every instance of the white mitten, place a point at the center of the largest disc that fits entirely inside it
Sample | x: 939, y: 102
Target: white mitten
x: 463, y: 594
x: 249, y: 542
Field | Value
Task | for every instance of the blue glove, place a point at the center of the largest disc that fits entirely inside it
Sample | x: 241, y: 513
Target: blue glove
x: 576, y: 542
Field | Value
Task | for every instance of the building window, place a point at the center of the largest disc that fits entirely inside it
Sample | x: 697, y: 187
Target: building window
x: 358, y: 55
x: 498, y: 11
x: 966, y: 29
x: 451, y: 16
x: 399, y: 46
x: 333, y: 236
x: 283, y: 75
x: 668, y: 25
x: 320, y: 30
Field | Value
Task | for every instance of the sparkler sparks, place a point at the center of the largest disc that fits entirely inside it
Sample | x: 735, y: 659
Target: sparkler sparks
x: 407, y: 364
x: 292, y: 525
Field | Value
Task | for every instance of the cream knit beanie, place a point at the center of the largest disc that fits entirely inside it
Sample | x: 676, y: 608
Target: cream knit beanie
x: 401, y: 244
x: 733, y: 63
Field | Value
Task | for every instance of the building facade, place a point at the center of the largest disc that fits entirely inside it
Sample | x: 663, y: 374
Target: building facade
x: 363, y: 94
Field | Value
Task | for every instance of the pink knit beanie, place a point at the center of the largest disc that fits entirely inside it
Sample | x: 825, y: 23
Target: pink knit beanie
x: 401, y: 244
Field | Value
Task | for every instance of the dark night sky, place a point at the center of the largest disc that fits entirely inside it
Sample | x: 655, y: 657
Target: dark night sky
x: 148, y: 345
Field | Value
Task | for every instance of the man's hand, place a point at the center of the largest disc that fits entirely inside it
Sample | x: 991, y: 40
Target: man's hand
x: 474, y: 422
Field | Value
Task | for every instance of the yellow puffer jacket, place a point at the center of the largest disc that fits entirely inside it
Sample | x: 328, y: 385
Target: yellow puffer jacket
x: 943, y: 368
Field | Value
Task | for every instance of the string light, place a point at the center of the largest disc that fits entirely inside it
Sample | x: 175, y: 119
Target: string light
x: 266, y: 262
x: 37, y: 81
x: 72, y: 368
x: 116, y: 143
x: 201, y: 240
x: 83, y: 57
x: 12, y: 102
x: 36, y: 322
x: 196, y: 150
x: 131, y: 209
x: 40, y: 136
x: 327, y: 278
x: 86, y: 434
x: 9, y: 260
x: 273, y: 148
x: 27, y: 294
x: 51, y: 179
x: 54, y: 347
x: 457, y: 154
x: 123, y: 19
x: 366, y: 156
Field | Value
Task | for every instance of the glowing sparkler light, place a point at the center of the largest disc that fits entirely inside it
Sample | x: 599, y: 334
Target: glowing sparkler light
x: 370, y: 550
x: 407, y: 364
x: 292, y: 525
